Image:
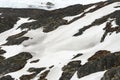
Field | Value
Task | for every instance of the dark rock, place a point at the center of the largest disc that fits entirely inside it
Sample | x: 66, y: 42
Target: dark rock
x: 78, y: 55
x: 16, y: 41
x: 35, y: 72
x: 94, y: 23
x: 2, y: 58
x: 99, y: 54
x: 116, y: 15
x: 100, y: 21
x: 49, y: 5
x: 53, y: 24
x: 44, y: 75
x: 49, y: 20
x: 69, y: 70
x: 100, y: 64
x: 8, y: 77
x: 16, y: 35
x: 51, y: 66
x: 31, y: 25
x: 35, y: 61
x: 2, y: 51
x: 7, y: 23
x: 14, y: 63
x: 112, y: 74
x: 28, y: 77
x: 108, y: 28
x: 98, y: 6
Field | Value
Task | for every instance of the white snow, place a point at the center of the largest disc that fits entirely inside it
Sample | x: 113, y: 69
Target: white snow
x: 58, y: 47
x: 14, y: 30
x: 42, y: 3
x: 12, y: 50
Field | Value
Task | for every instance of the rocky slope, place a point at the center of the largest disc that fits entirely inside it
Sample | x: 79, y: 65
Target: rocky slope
x: 78, y: 42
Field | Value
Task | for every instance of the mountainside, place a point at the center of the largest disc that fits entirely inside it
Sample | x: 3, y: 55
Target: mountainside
x: 43, y: 4
x: 75, y: 42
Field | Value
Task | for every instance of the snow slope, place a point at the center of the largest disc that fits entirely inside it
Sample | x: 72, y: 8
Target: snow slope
x: 41, y: 4
x: 59, y: 46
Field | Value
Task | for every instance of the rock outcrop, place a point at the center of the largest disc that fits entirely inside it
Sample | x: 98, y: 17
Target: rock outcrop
x: 104, y: 63
x: 14, y: 63
x: 70, y: 69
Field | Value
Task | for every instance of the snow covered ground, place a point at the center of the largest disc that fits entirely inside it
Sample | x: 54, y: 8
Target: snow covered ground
x: 56, y: 48
x: 41, y: 4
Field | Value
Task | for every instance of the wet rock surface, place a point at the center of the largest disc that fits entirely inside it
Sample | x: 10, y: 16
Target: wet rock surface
x: 99, y: 55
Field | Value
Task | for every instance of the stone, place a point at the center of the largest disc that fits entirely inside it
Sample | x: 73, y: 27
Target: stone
x: 14, y: 63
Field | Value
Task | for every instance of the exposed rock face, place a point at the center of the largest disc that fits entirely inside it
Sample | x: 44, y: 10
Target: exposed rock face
x: 49, y: 5
x: 78, y: 55
x: 16, y: 35
x: 35, y: 61
x: 44, y: 75
x: 112, y: 74
x: 100, y: 64
x: 7, y: 22
x: 35, y: 72
x: 2, y: 58
x: 8, y: 77
x: 2, y: 51
x: 99, y: 21
x: 14, y: 63
x: 49, y: 21
x: 16, y: 39
x: 99, y: 54
x: 54, y: 19
x: 70, y: 69
x: 108, y: 28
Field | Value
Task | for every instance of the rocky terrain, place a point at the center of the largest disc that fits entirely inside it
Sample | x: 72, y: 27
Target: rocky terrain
x: 78, y: 42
